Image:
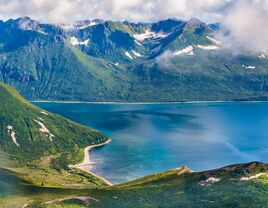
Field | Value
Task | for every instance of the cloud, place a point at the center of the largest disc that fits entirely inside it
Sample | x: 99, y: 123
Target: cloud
x: 132, y: 10
x: 246, y: 26
x: 165, y: 59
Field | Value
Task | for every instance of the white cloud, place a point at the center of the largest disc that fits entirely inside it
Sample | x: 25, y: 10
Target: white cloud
x: 132, y: 10
x: 165, y: 59
x: 247, y: 26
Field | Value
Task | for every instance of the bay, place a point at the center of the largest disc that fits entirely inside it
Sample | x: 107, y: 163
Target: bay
x: 150, y: 138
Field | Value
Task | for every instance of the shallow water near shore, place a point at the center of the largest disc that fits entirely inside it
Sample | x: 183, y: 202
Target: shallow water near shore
x: 150, y: 138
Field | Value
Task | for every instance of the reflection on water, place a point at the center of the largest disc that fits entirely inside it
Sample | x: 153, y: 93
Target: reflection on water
x: 149, y: 138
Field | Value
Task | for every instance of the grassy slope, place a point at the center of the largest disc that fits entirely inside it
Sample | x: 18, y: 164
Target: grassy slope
x: 176, y: 188
x: 59, y: 71
x: 181, y: 188
x: 37, y: 159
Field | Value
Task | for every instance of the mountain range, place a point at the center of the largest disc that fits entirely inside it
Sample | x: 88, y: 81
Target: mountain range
x: 169, y: 60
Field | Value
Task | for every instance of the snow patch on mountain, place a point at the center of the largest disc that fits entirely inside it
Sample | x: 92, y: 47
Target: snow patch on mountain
x: 90, y: 24
x: 12, y: 134
x: 74, y: 41
x: 208, y: 47
x: 44, y: 130
x: 136, y: 53
x: 148, y: 34
x: 186, y: 51
x: 79, y: 25
x: 138, y: 43
x: 217, y: 42
x: 41, y: 31
x: 41, y: 119
x: 209, y: 181
x: 262, y: 56
x: 248, y: 67
x: 44, y: 113
x: 156, y: 49
x: 252, y: 177
x: 128, y: 55
x: 66, y: 27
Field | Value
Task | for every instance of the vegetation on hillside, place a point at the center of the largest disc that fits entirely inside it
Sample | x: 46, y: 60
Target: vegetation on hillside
x: 39, y: 146
x: 127, y: 62
x: 242, y: 185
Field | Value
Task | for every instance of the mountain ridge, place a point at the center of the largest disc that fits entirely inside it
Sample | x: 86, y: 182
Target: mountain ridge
x: 98, y: 61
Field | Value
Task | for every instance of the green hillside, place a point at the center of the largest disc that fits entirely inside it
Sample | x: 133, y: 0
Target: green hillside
x: 39, y: 146
x: 225, y: 187
x: 243, y: 185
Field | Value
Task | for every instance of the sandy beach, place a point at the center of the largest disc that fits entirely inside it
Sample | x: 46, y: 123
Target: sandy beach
x: 86, y: 165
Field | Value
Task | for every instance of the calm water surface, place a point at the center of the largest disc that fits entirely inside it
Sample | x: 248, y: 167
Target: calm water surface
x: 150, y: 138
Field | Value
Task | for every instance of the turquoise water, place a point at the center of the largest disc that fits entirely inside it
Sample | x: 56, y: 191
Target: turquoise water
x: 150, y: 138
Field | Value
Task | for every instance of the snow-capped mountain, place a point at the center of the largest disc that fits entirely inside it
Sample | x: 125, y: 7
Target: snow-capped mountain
x: 97, y: 60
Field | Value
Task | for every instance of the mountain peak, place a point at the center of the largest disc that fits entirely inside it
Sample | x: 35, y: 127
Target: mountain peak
x: 24, y: 23
x: 167, y: 25
x: 24, y: 18
x: 193, y: 24
x: 194, y: 21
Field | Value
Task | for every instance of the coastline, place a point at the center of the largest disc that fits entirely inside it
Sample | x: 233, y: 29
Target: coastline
x: 142, y: 103
x: 86, y: 165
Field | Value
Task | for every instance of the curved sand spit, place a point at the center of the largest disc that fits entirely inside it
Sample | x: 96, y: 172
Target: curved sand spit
x: 86, y: 165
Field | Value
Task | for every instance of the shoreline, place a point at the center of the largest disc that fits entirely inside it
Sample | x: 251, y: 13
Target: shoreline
x: 86, y: 165
x: 142, y: 103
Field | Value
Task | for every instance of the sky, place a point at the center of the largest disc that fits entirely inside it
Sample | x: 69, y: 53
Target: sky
x: 245, y: 20
x: 133, y: 10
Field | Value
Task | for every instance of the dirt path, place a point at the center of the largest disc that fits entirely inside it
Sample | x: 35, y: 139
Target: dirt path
x: 86, y: 200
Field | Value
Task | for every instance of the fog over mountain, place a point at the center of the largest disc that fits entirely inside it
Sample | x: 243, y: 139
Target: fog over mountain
x: 247, y: 25
x: 135, y: 10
